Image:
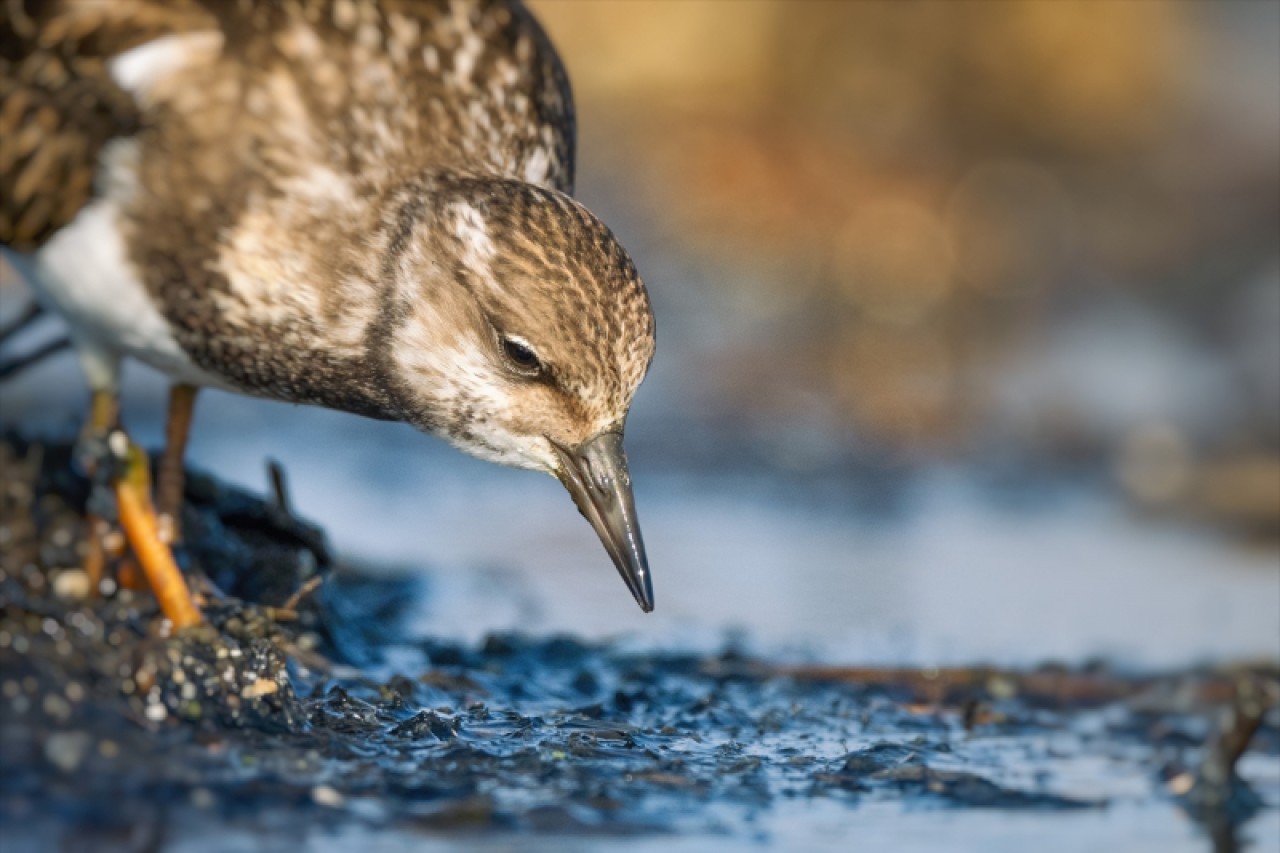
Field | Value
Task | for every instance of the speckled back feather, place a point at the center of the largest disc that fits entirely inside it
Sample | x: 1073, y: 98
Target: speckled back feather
x: 59, y: 105
x: 279, y: 121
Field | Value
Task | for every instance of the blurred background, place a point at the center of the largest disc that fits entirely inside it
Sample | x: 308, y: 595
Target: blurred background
x: 969, y: 343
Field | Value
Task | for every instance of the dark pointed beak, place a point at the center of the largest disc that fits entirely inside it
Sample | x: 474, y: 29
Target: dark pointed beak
x: 595, y: 473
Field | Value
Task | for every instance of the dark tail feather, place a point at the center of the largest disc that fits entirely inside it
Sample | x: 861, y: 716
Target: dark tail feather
x: 15, y: 364
x: 12, y: 366
x: 28, y: 316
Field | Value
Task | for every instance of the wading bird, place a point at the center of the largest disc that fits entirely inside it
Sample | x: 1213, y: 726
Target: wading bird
x: 358, y: 204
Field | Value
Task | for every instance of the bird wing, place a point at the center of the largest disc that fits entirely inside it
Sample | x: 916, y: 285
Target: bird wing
x: 59, y: 105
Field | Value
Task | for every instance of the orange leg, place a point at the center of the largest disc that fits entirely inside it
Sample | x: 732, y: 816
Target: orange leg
x: 138, y: 520
x: 171, y: 479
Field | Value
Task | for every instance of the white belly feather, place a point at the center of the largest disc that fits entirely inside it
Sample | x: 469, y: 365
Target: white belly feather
x: 83, y: 274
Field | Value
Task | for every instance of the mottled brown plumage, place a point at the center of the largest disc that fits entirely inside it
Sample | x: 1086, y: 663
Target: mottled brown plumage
x: 61, y: 104
x: 360, y: 204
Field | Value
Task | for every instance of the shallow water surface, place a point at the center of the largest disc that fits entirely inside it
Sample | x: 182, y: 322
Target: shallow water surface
x: 924, y: 568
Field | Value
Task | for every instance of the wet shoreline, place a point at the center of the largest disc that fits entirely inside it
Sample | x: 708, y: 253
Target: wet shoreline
x: 324, y: 716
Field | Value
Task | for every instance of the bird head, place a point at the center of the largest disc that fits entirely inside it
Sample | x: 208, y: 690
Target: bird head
x: 520, y: 333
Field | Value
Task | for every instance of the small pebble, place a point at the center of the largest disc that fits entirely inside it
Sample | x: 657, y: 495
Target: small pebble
x: 65, y: 750
x: 113, y: 543
x: 323, y: 795
x: 261, y: 687
x: 1181, y: 784
x: 71, y: 585
x: 55, y: 706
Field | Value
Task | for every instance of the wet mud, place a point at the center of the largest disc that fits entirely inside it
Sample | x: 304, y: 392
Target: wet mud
x: 303, y: 706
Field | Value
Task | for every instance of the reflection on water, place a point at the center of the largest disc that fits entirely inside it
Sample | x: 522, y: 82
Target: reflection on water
x: 823, y: 825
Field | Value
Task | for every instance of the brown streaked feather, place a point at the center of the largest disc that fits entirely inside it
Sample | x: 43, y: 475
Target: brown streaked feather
x: 59, y: 106
x: 251, y: 193
x: 259, y: 243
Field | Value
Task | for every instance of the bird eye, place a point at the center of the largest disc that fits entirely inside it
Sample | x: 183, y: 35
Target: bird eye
x: 521, y: 356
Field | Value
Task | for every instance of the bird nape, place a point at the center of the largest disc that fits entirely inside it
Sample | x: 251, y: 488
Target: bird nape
x: 358, y: 204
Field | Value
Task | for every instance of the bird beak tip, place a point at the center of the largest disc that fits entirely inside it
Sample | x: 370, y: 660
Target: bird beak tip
x: 595, y: 473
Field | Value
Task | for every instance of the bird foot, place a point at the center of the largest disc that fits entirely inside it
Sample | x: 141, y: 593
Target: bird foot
x: 141, y: 529
x: 120, y: 493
